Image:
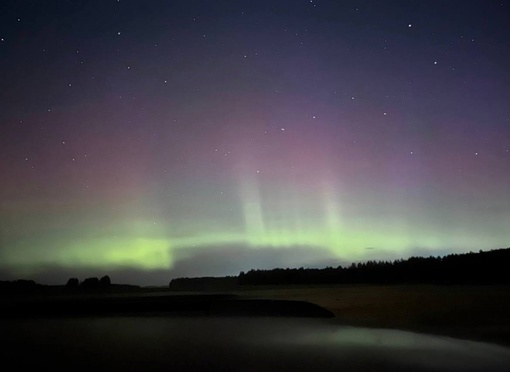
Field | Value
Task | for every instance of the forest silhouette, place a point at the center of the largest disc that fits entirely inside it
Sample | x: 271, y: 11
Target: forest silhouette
x: 484, y: 267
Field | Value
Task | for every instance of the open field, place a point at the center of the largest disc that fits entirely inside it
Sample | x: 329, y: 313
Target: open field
x: 474, y: 312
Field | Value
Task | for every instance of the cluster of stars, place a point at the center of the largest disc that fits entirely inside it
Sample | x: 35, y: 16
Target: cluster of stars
x: 204, y: 94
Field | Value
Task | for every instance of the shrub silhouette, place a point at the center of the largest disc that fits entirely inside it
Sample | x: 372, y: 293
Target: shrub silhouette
x: 90, y: 283
x: 105, y: 281
x: 72, y: 283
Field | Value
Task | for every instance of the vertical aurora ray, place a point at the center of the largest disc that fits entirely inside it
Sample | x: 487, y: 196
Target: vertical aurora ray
x: 252, y: 207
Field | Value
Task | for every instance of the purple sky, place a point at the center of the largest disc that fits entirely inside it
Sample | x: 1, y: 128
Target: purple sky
x: 148, y: 140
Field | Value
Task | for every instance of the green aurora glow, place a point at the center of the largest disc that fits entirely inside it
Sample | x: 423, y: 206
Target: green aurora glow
x: 148, y: 140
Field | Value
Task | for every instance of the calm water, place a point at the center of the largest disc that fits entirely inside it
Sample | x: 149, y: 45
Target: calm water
x: 236, y: 344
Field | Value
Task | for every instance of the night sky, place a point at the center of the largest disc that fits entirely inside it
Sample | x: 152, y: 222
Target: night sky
x: 148, y: 140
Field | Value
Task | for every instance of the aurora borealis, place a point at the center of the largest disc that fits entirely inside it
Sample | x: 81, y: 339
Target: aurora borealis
x: 148, y: 140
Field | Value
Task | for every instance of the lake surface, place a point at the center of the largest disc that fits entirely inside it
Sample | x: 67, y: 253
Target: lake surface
x: 233, y: 344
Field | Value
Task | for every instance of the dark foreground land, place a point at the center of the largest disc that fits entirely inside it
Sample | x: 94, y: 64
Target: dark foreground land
x: 465, y: 311
x: 284, y: 328
x: 473, y: 312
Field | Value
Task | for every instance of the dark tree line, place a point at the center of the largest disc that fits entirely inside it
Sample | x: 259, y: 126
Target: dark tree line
x: 19, y: 286
x: 22, y: 286
x: 204, y: 283
x: 92, y: 283
x: 491, y: 267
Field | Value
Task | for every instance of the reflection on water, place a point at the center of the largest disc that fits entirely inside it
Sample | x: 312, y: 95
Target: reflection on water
x: 412, y: 349
x: 155, y: 343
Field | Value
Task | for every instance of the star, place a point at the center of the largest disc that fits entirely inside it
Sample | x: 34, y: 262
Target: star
x: 150, y: 145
